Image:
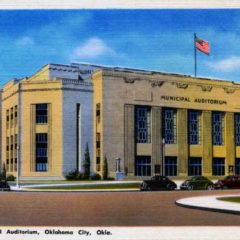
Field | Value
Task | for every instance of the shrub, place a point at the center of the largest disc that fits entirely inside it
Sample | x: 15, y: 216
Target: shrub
x: 105, y: 169
x: 87, y: 163
x: 10, y: 178
x: 3, y: 175
x: 95, y: 176
x: 110, y: 178
x: 73, y: 175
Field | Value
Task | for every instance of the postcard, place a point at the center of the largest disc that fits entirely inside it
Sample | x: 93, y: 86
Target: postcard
x: 120, y: 121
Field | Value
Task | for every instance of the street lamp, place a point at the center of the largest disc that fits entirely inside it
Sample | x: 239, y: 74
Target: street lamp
x: 18, y: 168
x: 163, y: 155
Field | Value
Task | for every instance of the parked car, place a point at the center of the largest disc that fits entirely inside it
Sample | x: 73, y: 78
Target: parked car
x: 158, y: 183
x: 197, y: 183
x: 228, y: 182
x: 4, y: 186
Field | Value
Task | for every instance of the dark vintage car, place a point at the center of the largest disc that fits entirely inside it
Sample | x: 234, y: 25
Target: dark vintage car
x: 158, y: 183
x: 4, y: 186
x: 197, y: 183
x: 228, y: 183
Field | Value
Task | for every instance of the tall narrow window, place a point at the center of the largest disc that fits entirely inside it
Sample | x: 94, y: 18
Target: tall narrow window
x: 98, y: 151
x: 237, y: 128
x: 194, y: 166
x: 15, y: 115
x: 41, y: 152
x: 237, y: 166
x: 98, y: 112
x: 218, y: 167
x: 15, y: 141
x: 11, y: 117
x: 42, y: 113
x: 171, y: 166
x: 194, y: 127
x: 217, y: 128
x: 143, y: 166
x: 78, y: 134
x: 143, y: 124
x: 169, y: 125
x: 7, y: 118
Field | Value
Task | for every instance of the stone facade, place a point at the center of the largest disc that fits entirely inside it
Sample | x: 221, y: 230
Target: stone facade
x: 120, y: 91
x: 63, y: 89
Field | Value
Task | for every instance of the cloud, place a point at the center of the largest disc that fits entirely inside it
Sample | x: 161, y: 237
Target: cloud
x: 93, y: 48
x: 25, y: 41
x: 229, y: 64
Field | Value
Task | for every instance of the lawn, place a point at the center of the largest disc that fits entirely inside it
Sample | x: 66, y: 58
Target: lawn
x: 91, y: 187
x: 230, y: 199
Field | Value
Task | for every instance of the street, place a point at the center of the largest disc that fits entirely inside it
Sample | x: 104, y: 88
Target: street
x: 107, y: 209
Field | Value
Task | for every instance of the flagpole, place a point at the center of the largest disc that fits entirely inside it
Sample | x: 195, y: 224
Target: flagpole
x: 195, y: 56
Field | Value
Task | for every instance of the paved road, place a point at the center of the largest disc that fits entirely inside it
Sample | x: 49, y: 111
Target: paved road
x: 107, y: 209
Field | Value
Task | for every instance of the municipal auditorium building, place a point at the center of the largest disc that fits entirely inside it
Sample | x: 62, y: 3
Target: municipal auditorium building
x: 143, y: 122
x: 171, y: 124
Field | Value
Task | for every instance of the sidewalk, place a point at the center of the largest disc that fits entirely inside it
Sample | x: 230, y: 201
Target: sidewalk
x: 211, y: 203
x: 34, y: 187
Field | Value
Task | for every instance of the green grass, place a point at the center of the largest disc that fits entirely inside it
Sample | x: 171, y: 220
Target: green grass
x: 91, y: 187
x: 230, y: 199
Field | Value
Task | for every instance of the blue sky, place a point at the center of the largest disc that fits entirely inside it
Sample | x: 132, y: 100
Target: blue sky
x: 159, y: 40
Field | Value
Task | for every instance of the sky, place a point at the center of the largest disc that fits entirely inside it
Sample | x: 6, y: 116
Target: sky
x: 160, y: 40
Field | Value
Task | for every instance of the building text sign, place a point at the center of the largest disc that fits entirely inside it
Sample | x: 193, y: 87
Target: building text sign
x: 196, y: 100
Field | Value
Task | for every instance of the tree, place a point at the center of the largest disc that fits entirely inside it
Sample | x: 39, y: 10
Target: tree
x: 105, y: 169
x: 87, y: 163
x: 4, y: 171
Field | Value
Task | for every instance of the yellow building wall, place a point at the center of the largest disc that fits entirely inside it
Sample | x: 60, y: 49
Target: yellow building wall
x: 50, y: 93
x: 98, y: 125
x: 10, y: 102
x: 34, y: 92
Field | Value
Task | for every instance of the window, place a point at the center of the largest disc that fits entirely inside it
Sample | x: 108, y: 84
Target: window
x: 98, y: 140
x: 11, y: 117
x: 41, y: 152
x: 11, y: 165
x: 237, y: 128
x: 15, y: 141
x: 171, y: 166
x: 194, y: 127
x: 217, y: 128
x: 98, y: 112
x: 8, y: 167
x: 15, y: 115
x: 169, y: 125
x: 15, y: 164
x: 7, y: 118
x: 237, y: 166
x: 7, y: 144
x: 11, y: 144
x: 194, y: 166
x: 143, y: 166
x: 41, y: 113
x: 218, y: 167
x: 143, y: 124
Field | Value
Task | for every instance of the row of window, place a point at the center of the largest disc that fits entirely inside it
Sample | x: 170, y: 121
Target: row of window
x: 12, y: 116
x: 41, y: 114
x: 41, y: 152
x: 143, y: 166
x: 169, y: 129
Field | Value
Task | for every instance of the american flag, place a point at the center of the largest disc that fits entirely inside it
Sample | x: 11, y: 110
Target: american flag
x: 202, y: 45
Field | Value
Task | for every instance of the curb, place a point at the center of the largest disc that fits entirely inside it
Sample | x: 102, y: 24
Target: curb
x: 235, y: 212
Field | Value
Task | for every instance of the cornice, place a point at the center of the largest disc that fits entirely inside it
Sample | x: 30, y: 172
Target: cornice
x: 182, y: 82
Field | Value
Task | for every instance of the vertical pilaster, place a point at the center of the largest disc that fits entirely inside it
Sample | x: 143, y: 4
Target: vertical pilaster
x: 207, y: 143
x: 182, y: 141
x: 156, y: 137
x: 230, y: 146
x: 129, y: 139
